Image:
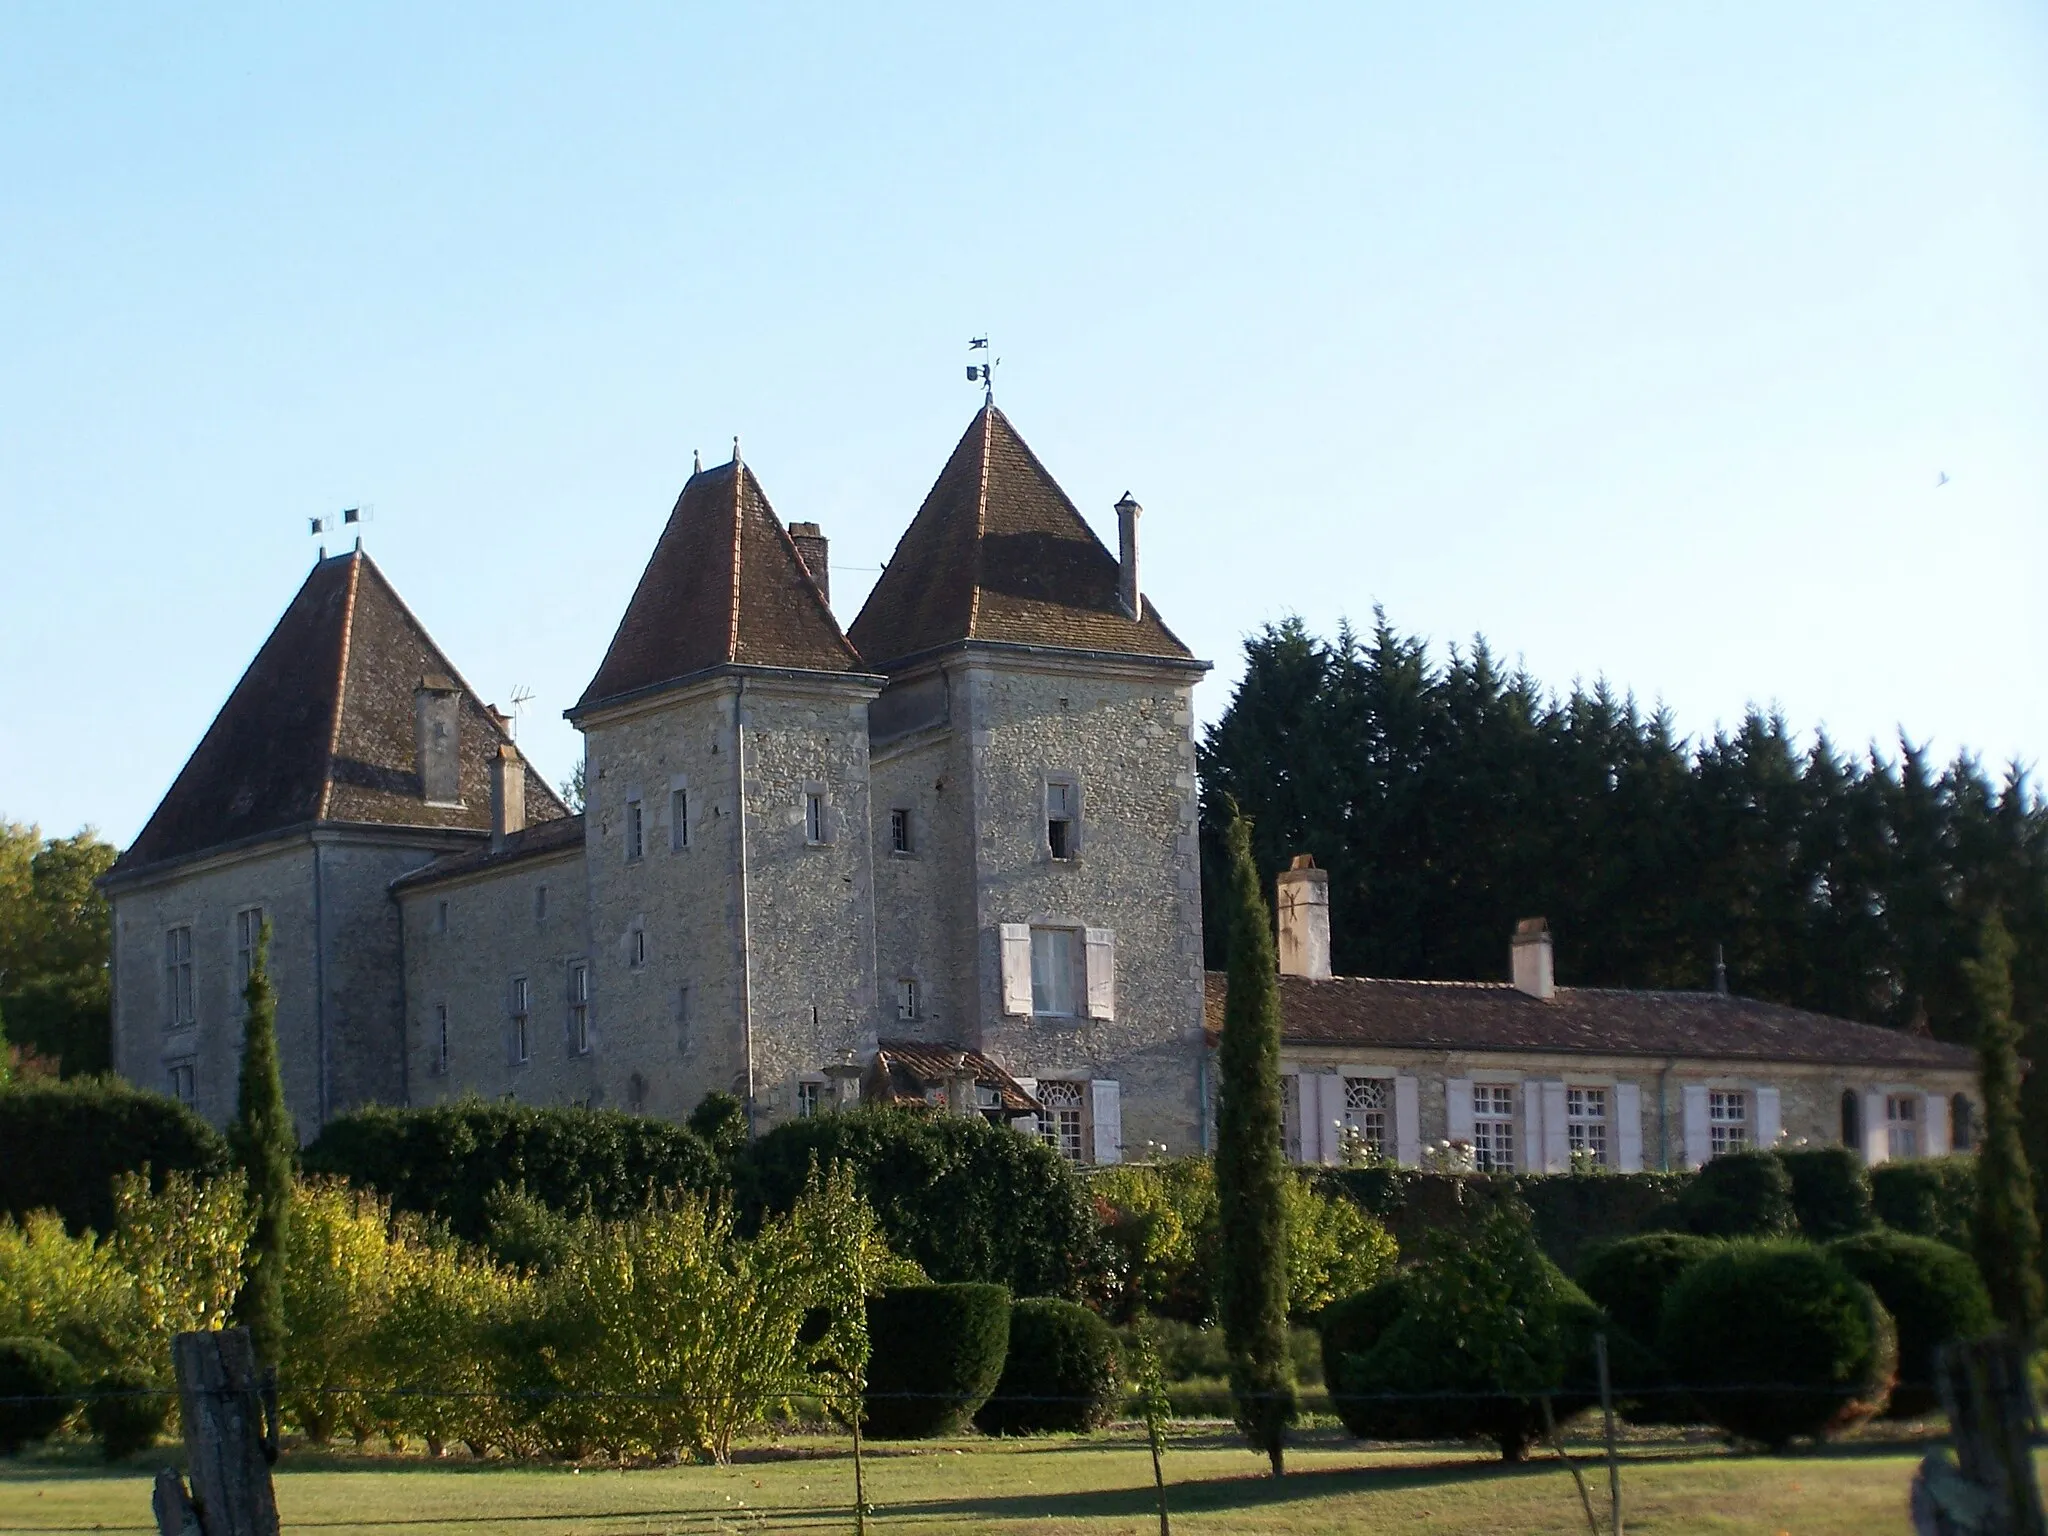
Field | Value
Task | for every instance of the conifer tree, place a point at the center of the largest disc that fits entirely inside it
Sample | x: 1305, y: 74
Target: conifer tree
x: 266, y: 1145
x: 2008, y: 1232
x: 1251, y: 1169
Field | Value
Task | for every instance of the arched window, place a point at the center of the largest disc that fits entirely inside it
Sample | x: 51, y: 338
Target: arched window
x: 1961, y: 1120
x: 1852, y: 1119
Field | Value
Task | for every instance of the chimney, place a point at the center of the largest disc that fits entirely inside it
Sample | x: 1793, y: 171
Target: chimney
x: 508, y: 795
x: 811, y: 547
x: 1127, y: 592
x: 437, y: 723
x: 1303, y: 897
x: 1534, y: 968
x: 960, y: 1087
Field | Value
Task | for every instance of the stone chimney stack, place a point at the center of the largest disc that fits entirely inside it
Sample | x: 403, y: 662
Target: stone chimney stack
x: 1127, y: 593
x: 508, y: 795
x: 812, y: 548
x: 1534, y: 970
x: 1303, y: 897
x: 437, y: 724
x: 960, y: 1088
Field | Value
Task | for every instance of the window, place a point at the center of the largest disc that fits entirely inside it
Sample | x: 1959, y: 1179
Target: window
x: 816, y: 823
x: 183, y: 1081
x: 579, y: 1008
x: 1852, y: 1119
x: 636, y: 948
x: 899, y: 831
x: 1902, y: 1124
x: 1727, y: 1121
x: 678, y: 820
x: 636, y: 830
x: 441, y: 1037
x: 1290, y: 1118
x: 248, y: 940
x: 1060, y: 1118
x: 1961, y: 1123
x: 906, y: 997
x: 1369, y: 1114
x: 440, y: 917
x: 540, y: 904
x: 522, y: 1044
x: 1055, y: 972
x: 1060, y: 805
x: 178, y: 977
x: 810, y: 1099
x: 1493, y: 1127
x: 1585, y: 1124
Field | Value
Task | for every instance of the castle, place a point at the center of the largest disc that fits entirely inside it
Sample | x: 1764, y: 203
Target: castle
x: 947, y: 853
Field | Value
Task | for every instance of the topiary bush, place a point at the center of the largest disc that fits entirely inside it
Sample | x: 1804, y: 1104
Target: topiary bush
x: 63, y: 1143
x: 1928, y: 1197
x: 1934, y: 1295
x: 1739, y: 1194
x: 1631, y: 1276
x: 1349, y: 1329
x: 38, y: 1391
x: 1777, y: 1340
x: 965, y: 1200
x: 1830, y: 1192
x: 446, y: 1160
x: 936, y: 1355
x: 126, y: 1411
x: 1061, y: 1372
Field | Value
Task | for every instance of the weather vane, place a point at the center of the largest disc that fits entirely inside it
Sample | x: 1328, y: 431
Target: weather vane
x: 984, y: 372
x: 347, y: 516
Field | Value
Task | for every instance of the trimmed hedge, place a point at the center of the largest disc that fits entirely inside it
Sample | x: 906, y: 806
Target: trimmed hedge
x: 1928, y: 1197
x: 126, y: 1412
x: 1739, y: 1194
x: 968, y: 1201
x: 1630, y: 1277
x: 38, y: 1391
x: 1349, y: 1329
x: 1777, y: 1340
x: 1934, y: 1295
x: 937, y: 1353
x: 1830, y: 1191
x: 63, y: 1143
x: 1062, y: 1372
x: 446, y: 1161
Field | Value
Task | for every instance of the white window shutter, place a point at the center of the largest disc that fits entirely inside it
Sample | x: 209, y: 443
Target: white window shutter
x: 1770, y: 1122
x: 1458, y: 1109
x: 1101, y: 947
x: 1107, y: 1103
x: 1333, y: 1118
x: 1699, y: 1141
x: 1016, y: 947
x: 1557, y: 1149
x: 1407, y: 1122
x: 1628, y: 1127
x: 1877, y: 1142
x: 1532, y: 1125
x: 1935, y: 1118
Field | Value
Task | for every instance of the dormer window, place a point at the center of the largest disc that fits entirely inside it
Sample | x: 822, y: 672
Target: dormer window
x: 1062, y: 817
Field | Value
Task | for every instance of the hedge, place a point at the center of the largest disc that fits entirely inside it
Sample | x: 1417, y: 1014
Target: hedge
x: 968, y: 1201
x: 1928, y: 1197
x: 936, y: 1354
x: 446, y: 1161
x: 1934, y: 1295
x: 63, y: 1143
x: 38, y: 1390
x: 126, y: 1411
x: 1630, y: 1277
x: 1830, y: 1191
x: 1739, y: 1194
x: 1061, y: 1372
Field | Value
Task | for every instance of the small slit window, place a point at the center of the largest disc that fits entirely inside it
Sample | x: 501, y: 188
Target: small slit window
x: 899, y: 831
x: 678, y: 820
x: 522, y: 1039
x: 636, y: 830
x: 579, y: 1008
x: 817, y: 818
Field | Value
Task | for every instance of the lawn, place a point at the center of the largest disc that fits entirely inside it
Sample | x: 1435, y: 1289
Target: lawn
x: 1098, y: 1486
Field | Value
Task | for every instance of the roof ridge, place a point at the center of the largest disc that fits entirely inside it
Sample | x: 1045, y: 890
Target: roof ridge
x: 348, y: 623
x: 739, y: 513
x: 988, y: 412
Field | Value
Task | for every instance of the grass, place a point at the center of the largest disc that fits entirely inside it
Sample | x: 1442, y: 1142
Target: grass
x: 1098, y: 1485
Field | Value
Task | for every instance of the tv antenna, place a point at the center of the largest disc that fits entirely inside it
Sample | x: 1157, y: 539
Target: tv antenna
x: 521, y: 697
x: 983, y: 372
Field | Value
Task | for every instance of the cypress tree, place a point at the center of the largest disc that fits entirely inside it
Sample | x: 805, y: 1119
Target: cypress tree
x: 266, y: 1145
x: 2008, y: 1232
x: 1251, y: 1170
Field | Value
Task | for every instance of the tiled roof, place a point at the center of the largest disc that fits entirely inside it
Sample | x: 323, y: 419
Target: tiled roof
x: 536, y: 841
x: 320, y: 729
x: 998, y: 553
x: 724, y: 585
x: 910, y: 1067
x: 1493, y: 1016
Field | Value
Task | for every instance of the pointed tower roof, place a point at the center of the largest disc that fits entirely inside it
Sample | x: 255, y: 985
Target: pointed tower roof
x: 321, y: 729
x: 724, y: 586
x: 998, y: 553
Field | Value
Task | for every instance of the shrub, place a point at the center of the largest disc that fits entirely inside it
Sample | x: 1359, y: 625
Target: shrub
x: 63, y: 1143
x: 1333, y: 1249
x: 1350, y: 1328
x: 183, y: 1243
x: 965, y: 1200
x: 1159, y: 1227
x: 1739, y: 1194
x: 1934, y: 1295
x: 69, y: 1290
x: 1830, y: 1192
x: 1630, y: 1276
x: 1927, y: 1197
x: 1777, y: 1339
x: 1061, y: 1371
x: 126, y: 1410
x: 721, y: 1119
x: 38, y: 1391
x: 445, y: 1161
x: 938, y: 1353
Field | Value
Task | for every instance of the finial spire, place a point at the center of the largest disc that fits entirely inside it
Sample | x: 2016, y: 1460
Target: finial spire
x: 736, y: 448
x: 1720, y: 973
x: 696, y: 461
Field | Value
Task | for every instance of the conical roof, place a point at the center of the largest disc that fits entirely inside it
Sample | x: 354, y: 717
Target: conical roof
x: 321, y: 729
x: 998, y: 553
x: 724, y: 586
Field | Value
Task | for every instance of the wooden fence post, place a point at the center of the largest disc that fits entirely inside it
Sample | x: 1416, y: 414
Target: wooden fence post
x: 1989, y: 1488
x: 230, y: 1414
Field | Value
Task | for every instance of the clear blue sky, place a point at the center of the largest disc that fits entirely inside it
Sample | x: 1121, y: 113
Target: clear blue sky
x: 1633, y: 336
